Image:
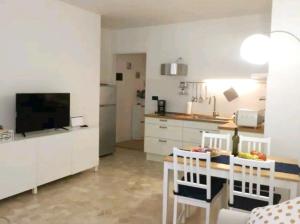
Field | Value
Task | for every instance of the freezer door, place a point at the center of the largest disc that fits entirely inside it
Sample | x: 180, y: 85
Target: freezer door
x: 107, y: 94
x: 107, y: 129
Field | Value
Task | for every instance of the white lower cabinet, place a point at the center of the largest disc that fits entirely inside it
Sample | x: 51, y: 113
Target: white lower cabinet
x: 28, y: 163
x: 192, y: 135
x: 17, y: 168
x: 53, y: 157
x: 85, y: 154
x: 161, y: 135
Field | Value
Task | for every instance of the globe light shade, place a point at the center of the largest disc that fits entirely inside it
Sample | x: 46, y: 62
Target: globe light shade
x: 256, y: 49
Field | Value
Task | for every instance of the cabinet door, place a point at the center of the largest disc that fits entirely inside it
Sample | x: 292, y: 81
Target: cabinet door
x: 192, y: 135
x: 160, y: 146
x: 54, y: 157
x: 85, y: 154
x: 17, y: 168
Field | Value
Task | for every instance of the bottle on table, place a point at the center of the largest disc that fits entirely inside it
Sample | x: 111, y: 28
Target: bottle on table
x: 235, y: 143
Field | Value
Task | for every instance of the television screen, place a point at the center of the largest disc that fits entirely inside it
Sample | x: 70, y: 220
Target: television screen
x: 39, y: 111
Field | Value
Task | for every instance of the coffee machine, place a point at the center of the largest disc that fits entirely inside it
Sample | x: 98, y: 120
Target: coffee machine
x: 161, y: 107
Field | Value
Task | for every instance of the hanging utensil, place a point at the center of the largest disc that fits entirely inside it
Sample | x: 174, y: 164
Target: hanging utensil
x: 196, y: 98
x: 183, y: 86
x: 206, y: 97
x: 193, y: 98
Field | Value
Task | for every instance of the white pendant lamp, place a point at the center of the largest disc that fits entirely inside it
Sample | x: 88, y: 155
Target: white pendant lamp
x: 256, y: 49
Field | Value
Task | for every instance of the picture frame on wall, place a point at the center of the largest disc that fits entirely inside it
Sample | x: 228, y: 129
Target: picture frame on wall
x: 129, y: 65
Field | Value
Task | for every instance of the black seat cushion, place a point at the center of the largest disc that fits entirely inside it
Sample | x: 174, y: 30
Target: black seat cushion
x: 264, y: 189
x: 249, y: 204
x: 198, y: 193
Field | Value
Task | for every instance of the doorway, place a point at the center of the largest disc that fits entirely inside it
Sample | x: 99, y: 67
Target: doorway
x: 130, y: 100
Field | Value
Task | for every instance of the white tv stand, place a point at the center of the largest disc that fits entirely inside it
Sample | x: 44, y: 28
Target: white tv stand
x: 46, y: 156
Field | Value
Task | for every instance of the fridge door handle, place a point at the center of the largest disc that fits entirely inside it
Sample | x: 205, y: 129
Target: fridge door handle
x: 107, y: 105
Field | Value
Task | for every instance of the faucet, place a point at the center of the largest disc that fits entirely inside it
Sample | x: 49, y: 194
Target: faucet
x: 215, y: 113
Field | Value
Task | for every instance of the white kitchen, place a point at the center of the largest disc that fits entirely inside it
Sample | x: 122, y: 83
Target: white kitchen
x: 210, y: 50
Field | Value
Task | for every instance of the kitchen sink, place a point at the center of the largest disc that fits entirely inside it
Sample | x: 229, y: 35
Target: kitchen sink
x: 202, y: 117
x: 198, y: 117
x: 208, y: 117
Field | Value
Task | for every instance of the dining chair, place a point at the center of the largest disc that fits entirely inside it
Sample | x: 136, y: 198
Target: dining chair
x: 195, y: 188
x: 251, y: 184
x: 247, y: 144
x: 217, y: 141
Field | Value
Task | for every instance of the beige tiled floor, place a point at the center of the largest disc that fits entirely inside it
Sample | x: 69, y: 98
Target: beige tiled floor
x: 137, y: 145
x: 126, y: 189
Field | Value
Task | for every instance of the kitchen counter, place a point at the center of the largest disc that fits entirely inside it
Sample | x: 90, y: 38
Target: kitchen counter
x: 231, y: 126
x: 192, y: 117
x: 225, y: 123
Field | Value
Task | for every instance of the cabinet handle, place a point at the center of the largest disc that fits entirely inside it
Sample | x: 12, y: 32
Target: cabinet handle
x: 163, y: 127
x: 163, y: 120
x: 207, y: 131
x: 164, y: 141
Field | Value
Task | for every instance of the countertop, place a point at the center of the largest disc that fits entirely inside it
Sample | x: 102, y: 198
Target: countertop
x: 192, y: 117
x: 231, y: 126
x: 225, y: 123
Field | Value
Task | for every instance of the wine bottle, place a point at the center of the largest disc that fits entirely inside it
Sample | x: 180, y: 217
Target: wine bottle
x: 235, y: 143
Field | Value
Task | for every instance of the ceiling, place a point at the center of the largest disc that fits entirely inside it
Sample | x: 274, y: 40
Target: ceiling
x: 135, y: 13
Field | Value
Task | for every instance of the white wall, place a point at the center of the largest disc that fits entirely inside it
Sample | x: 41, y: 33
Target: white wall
x: 283, y: 94
x: 49, y: 46
x: 126, y: 92
x: 250, y: 92
x: 107, y: 60
x: 209, y: 47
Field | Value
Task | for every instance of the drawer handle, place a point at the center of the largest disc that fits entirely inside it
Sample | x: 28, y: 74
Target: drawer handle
x: 163, y: 127
x: 207, y: 131
x: 164, y: 141
x: 163, y: 120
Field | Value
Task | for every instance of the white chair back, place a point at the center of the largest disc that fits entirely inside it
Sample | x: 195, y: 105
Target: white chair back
x: 247, y: 144
x: 190, y: 166
x: 217, y: 141
x: 254, y: 174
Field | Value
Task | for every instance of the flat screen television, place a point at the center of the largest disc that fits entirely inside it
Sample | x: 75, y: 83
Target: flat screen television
x: 39, y: 111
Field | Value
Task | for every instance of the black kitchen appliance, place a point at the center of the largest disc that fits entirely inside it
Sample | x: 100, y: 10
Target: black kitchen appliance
x: 161, y: 107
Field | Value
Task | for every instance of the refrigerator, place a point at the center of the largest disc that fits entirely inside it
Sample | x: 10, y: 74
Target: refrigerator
x: 107, y: 119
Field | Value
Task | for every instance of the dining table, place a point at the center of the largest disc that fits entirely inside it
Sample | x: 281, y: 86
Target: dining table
x: 287, y: 174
